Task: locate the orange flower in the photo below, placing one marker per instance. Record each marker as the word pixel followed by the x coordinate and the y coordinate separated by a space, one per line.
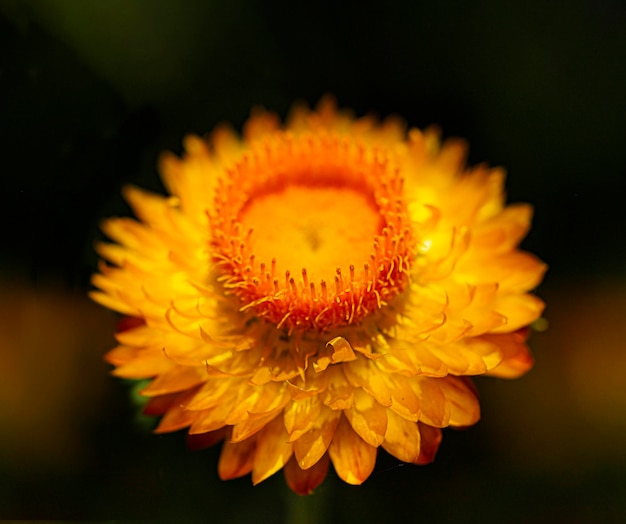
pixel 319 290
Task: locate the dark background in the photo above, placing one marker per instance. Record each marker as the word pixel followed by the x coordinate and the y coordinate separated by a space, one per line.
pixel 92 91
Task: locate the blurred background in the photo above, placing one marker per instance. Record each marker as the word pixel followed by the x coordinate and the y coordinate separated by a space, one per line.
pixel 92 91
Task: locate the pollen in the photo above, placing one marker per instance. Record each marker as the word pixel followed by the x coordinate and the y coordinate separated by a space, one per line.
pixel 310 232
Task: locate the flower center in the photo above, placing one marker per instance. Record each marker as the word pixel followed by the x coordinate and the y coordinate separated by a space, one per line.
pixel 318 229
pixel 311 233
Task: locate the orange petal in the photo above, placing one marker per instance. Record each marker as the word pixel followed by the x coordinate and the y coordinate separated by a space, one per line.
pixel 205 440
pixel 255 421
pixel 128 324
pixel 177 417
pixel 236 459
pixel 258 400
pixel 148 363
pixel 435 411
pixel 215 391
pixel 210 419
pixel 304 481
pixel 261 123
pixel 516 360
pixel 352 457
pixel 159 405
pixel 177 379
pixel 120 355
pixel 430 440
pixel 272 452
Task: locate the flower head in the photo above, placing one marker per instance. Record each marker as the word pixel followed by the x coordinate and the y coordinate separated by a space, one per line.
pixel 314 291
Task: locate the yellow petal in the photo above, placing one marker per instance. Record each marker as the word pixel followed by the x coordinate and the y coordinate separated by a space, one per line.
pixel 149 207
pixel 272 452
pixel 520 310
pixel 339 394
pixel 404 401
pixel 312 445
pixel 367 418
pixel 352 457
pixel 301 416
pixel 504 231
pixel 402 438
pixel 114 303
pixel 448 401
pixel 365 374
pixel 216 391
pixel 461 396
pixel 337 350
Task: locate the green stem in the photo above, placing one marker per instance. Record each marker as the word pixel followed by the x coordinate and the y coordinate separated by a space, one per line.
pixel 307 509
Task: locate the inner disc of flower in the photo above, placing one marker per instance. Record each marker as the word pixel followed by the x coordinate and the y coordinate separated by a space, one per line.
pixel 311 233
pixel 318 229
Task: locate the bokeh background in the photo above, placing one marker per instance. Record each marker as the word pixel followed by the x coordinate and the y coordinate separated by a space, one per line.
pixel 92 90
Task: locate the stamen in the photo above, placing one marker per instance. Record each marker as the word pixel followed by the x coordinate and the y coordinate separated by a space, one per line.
pixel 292 285
pixel 324 290
pixel 339 280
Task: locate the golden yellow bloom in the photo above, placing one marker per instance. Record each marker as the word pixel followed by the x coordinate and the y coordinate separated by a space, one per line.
pixel 313 292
